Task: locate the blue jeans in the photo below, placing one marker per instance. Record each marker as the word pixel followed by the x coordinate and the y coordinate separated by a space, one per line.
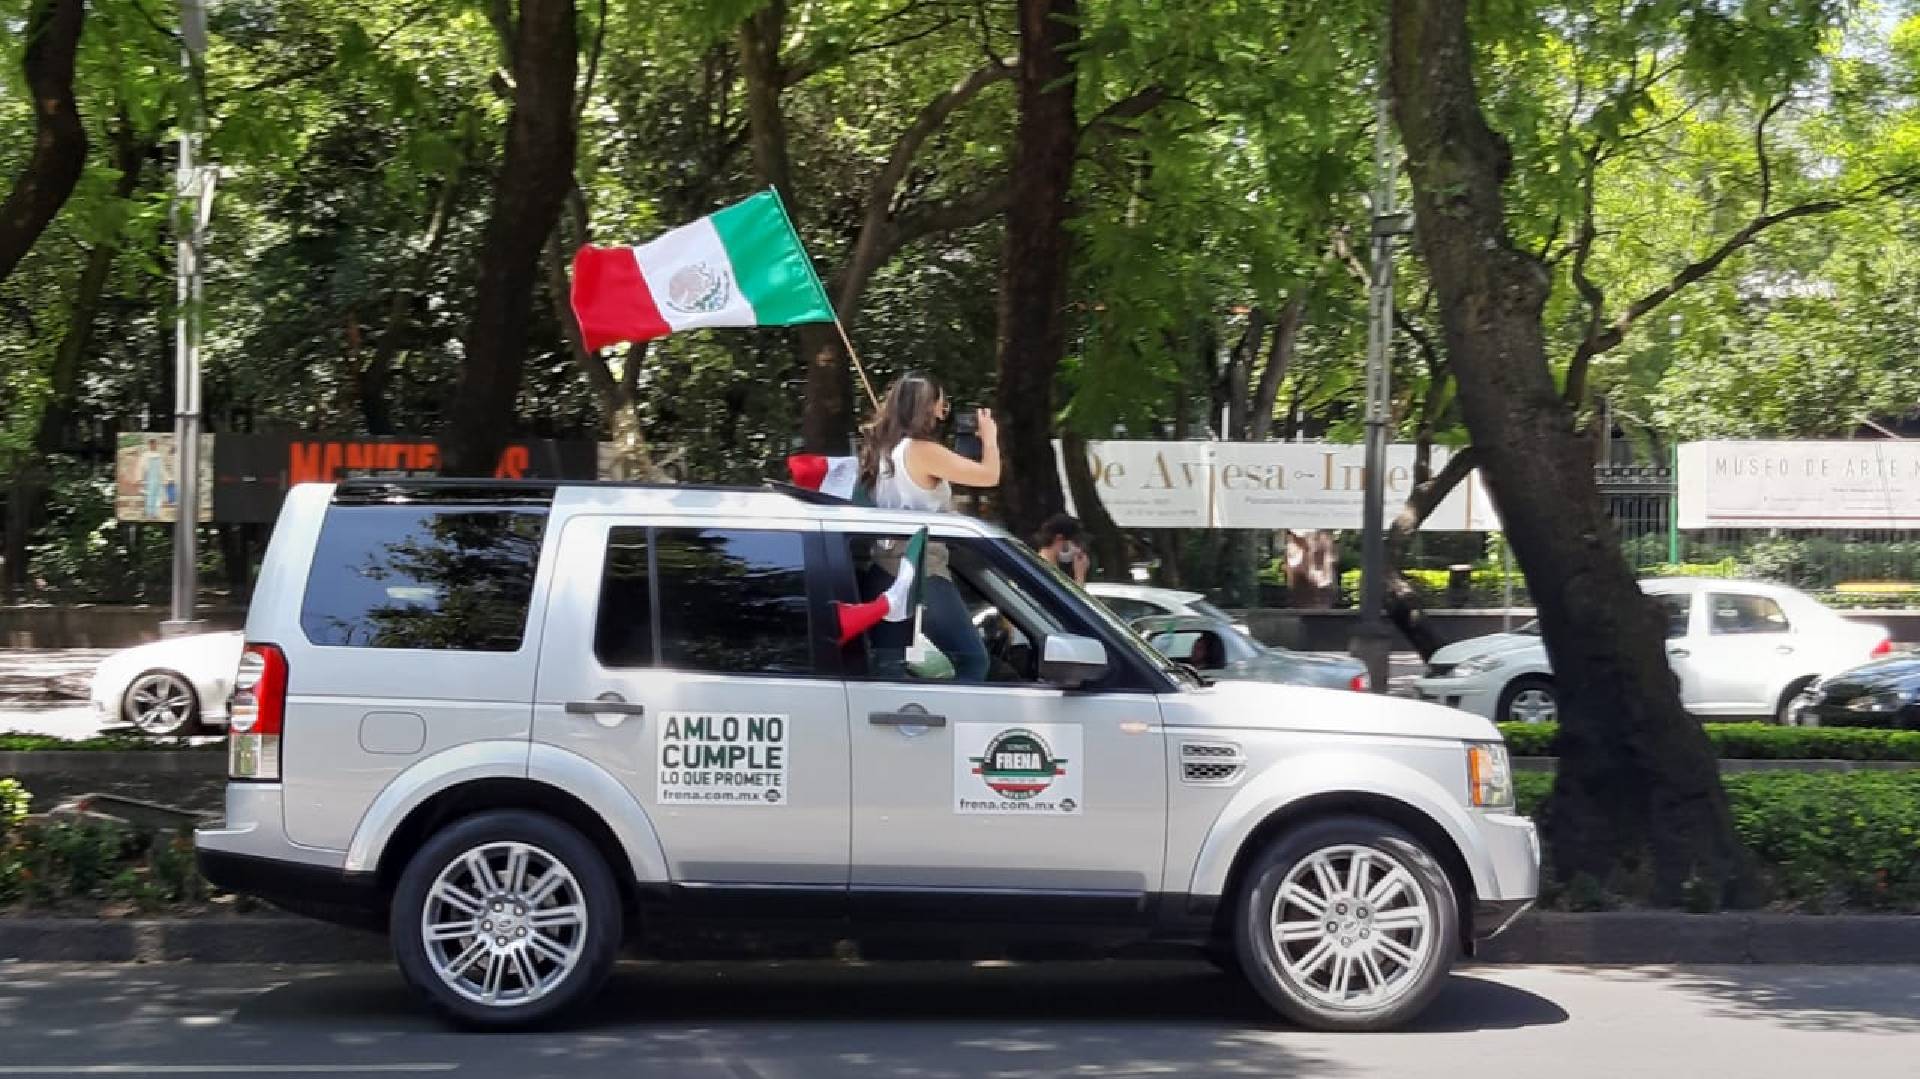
pixel 944 619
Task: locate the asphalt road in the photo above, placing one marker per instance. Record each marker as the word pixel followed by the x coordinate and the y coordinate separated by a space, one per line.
pixel 939 1020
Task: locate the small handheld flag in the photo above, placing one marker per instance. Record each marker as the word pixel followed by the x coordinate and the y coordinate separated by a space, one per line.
pixel 836 476
pixel 897 603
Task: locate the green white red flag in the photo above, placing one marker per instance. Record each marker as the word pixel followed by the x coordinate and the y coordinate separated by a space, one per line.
pixel 739 266
pixel 897 603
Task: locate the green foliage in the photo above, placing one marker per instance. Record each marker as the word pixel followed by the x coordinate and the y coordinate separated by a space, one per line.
pixel 53 863
pixel 19 742
pixel 1825 841
pixel 1757 741
pixel 14 800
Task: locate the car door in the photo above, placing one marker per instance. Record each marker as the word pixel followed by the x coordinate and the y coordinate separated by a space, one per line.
pixel 1731 661
pixel 1006 797
pixel 683 656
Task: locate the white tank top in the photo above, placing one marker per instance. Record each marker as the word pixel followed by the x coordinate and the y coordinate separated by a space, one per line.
pixel 896 490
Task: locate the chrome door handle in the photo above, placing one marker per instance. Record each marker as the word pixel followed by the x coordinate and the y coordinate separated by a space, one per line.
pixel 906 719
pixel 1678 653
pixel 1784 649
pixel 615 707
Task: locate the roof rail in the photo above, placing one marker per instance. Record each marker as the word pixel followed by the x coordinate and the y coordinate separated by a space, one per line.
pixel 371 489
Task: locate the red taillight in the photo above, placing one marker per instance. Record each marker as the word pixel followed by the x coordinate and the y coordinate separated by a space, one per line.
pixel 257 714
pixel 1884 648
pixel 1359 683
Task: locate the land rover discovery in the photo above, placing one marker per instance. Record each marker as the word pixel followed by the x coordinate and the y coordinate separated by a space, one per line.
pixel 518 725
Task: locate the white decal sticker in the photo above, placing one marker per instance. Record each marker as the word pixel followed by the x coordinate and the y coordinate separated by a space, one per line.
pixel 1037 769
pixel 721 759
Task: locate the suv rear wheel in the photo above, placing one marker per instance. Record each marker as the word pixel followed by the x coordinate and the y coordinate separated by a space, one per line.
pixel 506 918
pixel 1347 923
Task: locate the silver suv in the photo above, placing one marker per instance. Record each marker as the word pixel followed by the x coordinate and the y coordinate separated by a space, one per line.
pixel 518 724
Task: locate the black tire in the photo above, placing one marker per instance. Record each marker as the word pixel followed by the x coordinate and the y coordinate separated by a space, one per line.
pixel 1783 712
pixel 1526 683
pixel 179 688
pixel 600 939
pixel 1260 955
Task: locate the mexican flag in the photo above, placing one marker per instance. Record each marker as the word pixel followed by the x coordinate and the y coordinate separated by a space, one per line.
pixel 897 603
pixel 740 266
pixel 836 476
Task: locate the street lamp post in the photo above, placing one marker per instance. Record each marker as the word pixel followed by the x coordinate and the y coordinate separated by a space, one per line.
pixel 192 198
pixel 1372 644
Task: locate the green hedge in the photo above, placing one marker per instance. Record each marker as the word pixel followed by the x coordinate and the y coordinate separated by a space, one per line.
pixel 1825 841
pixel 16 742
pixel 1758 742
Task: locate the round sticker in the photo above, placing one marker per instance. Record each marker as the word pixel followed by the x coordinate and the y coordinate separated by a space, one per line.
pixel 1018 764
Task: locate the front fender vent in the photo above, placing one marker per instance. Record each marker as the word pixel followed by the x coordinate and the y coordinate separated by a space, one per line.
pixel 1211 764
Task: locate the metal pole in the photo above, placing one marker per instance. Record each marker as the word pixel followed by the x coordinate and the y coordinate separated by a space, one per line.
pixel 189 220
pixel 1372 644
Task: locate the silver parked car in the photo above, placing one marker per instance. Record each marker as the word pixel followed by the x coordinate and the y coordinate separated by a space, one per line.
pixel 1218 649
pixel 517 723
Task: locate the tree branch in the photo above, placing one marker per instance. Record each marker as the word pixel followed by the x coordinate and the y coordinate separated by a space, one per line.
pixel 1132 107
pixel 1760 148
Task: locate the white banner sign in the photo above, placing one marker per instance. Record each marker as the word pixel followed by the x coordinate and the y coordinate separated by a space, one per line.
pixel 1265 485
pixel 721 759
pixel 1861 484
pixel 1036 769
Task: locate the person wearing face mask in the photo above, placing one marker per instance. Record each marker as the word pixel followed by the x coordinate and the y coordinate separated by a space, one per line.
pixel 1059 544
pixel 904 465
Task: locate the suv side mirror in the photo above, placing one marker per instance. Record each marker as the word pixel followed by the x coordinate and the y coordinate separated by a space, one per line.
pixel 1070 662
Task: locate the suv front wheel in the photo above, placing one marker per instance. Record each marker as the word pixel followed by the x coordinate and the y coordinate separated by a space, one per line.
pixel 506 918
pixel 1347 923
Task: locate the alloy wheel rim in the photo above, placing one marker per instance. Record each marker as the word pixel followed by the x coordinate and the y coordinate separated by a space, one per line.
pixel 1533 706
pixel 1352 927
pixel 159 703
pixel 504 924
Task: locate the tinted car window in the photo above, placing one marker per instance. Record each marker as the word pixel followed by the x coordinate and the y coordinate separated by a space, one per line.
pixel 1735 613
pixel 1676 607
pixel 732 601
pixel 412 577
pixel 623 627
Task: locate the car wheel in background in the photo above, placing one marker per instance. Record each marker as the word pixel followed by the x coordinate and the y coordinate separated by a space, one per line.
pixel 161 703
pixel 1787 712
pixel 1530 698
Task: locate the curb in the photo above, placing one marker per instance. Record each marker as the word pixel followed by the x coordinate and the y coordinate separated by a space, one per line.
pixel 1546 937
pixel 1667 937
pixel 112 762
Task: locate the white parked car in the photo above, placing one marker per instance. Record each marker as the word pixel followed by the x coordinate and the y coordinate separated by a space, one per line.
pixel 1133 602
pixel 175 686
pixel 1741 648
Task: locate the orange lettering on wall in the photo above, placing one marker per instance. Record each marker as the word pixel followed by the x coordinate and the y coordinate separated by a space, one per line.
pixel 360 456
pixel 330 462
pixel 429 458
pixel 513 464
pixel 303 463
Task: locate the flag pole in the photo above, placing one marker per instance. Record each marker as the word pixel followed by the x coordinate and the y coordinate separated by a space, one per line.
pixel 857 366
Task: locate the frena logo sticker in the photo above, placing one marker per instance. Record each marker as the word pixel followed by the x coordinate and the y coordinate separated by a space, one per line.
pixel 697 289
pixel 1018 764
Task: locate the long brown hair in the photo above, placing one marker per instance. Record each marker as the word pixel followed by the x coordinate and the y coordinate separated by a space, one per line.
pixel 908 411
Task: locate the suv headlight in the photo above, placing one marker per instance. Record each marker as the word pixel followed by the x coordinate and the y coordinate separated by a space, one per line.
pixel 1479 665
pixel 1489 776
pixel 1886 700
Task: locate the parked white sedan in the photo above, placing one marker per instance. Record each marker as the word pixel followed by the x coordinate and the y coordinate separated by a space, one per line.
pixel 1741 648
pixel 174 686
pixel 1133 602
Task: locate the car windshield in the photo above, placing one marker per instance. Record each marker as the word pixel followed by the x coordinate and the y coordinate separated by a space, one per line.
pixel 1123 631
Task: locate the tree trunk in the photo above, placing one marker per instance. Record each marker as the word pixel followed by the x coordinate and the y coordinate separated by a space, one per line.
pixel 534 179
pixel 1033 269
pixel 1637 776
pixel 1108 546
pixel 1313 568
pixel 59 138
